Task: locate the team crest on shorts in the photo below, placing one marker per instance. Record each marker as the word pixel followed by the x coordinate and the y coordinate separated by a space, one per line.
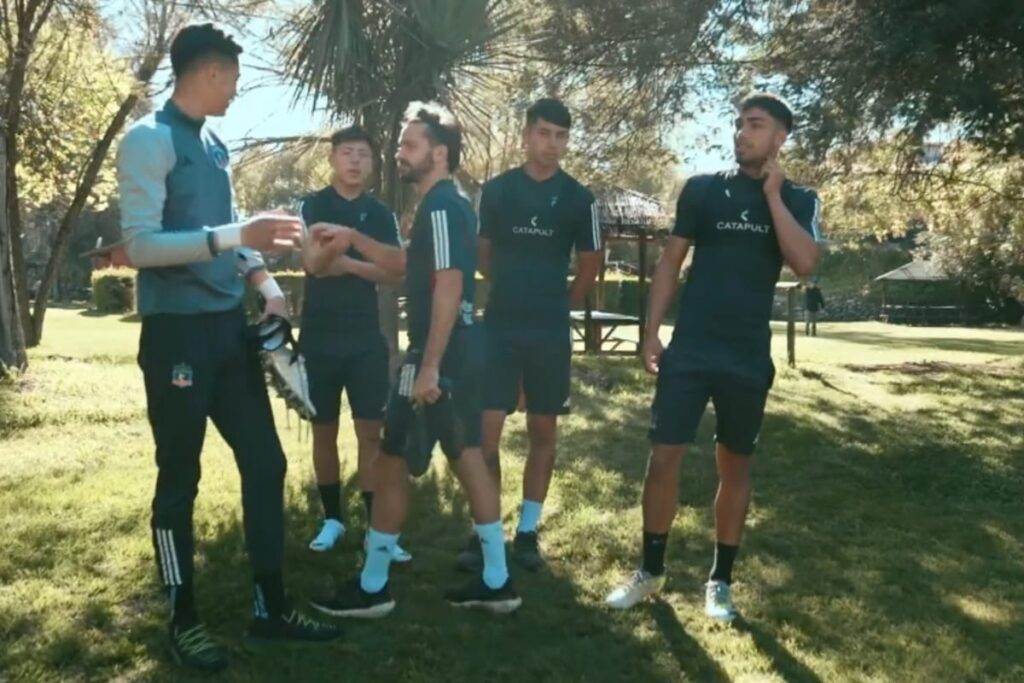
pixel 181 375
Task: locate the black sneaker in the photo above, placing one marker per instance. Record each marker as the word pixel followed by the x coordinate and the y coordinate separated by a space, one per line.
pixel 525 551
pixel 350 600
pixel 477 594
pixel 292 626
pixel 192 647
pixel 471 558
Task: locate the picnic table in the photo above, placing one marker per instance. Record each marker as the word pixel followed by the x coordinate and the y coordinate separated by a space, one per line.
pixel 921 315
pixel 597 329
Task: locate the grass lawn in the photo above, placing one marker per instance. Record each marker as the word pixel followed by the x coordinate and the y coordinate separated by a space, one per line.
pixel 885 541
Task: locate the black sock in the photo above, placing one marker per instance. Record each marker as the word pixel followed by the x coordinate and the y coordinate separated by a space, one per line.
pixel 725 555
pixel 269 595
pixel 368 502
pixel 330 496
pixel 183 606
pixel 654 553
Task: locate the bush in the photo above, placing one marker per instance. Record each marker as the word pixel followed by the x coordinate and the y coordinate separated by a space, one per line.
pixel 113 290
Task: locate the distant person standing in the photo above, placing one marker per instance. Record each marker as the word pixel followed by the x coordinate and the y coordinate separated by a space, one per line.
pixel 814 302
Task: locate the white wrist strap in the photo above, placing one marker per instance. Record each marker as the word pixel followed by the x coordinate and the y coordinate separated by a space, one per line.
pixel 270 289
pixel 227 237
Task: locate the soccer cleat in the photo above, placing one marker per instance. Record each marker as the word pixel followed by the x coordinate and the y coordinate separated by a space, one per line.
pixel 718 601
pixel 350 600
pixel 193 648
pixel 525 551
pixel 419 444
pixel 477 594
pixel 431 425
pixel 284 365
pixel 331 532
pixel 292 626
pixel 471 557
pixel 641 585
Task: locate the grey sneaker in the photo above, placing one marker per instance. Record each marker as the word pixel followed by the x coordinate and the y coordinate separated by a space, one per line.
pixel 718 601
pixel 641 584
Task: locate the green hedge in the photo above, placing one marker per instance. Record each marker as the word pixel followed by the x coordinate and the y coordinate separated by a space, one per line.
pixel 113 290
pixel 620 293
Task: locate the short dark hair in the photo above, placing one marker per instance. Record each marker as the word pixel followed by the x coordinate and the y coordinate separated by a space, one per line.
pixel 775 105
pixel 551 110
pixel 198 42
pixel 442 128
pixel 353 133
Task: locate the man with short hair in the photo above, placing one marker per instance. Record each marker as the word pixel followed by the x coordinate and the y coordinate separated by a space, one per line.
pixel 341 339
pixel 180 232
pixel 744 224
pixel 442 369
pixel 532 217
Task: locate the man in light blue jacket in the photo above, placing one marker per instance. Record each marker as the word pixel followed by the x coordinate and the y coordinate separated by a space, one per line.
pixel 178 219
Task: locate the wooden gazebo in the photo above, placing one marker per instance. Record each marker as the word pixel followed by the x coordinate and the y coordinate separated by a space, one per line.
pixel 625 216
pixel 904 310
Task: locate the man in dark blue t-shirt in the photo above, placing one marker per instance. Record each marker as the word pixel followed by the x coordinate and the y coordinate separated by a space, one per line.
pixel 532 217
pixel 442 368
pixel 743 225
pixel 341 338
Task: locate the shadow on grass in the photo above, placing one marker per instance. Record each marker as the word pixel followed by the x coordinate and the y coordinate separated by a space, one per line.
pixel 858 504
pixel 891 515
pixel 425 638
pixel 945 339
pixel 784 663
pixel 557 635
pixel 687 652
pixel 120 316
pixel 873 524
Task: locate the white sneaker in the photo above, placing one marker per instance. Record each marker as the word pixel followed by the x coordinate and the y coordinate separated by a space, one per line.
pixel 640 585
pixel 330 533
pixel 718 601
pixel 399 555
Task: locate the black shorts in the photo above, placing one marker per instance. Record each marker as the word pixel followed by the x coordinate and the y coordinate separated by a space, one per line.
pixel 541 360
pixel 363 375
pixel 681 398
pixel 456 422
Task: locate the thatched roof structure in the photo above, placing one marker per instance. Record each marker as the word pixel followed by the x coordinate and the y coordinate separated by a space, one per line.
pixel 916 271
pixel 629 211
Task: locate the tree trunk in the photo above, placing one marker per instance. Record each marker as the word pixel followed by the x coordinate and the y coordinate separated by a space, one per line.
pixel 29 20
pixel 12 214
pixel 12 340
pixel 83 190
pixel 387 296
